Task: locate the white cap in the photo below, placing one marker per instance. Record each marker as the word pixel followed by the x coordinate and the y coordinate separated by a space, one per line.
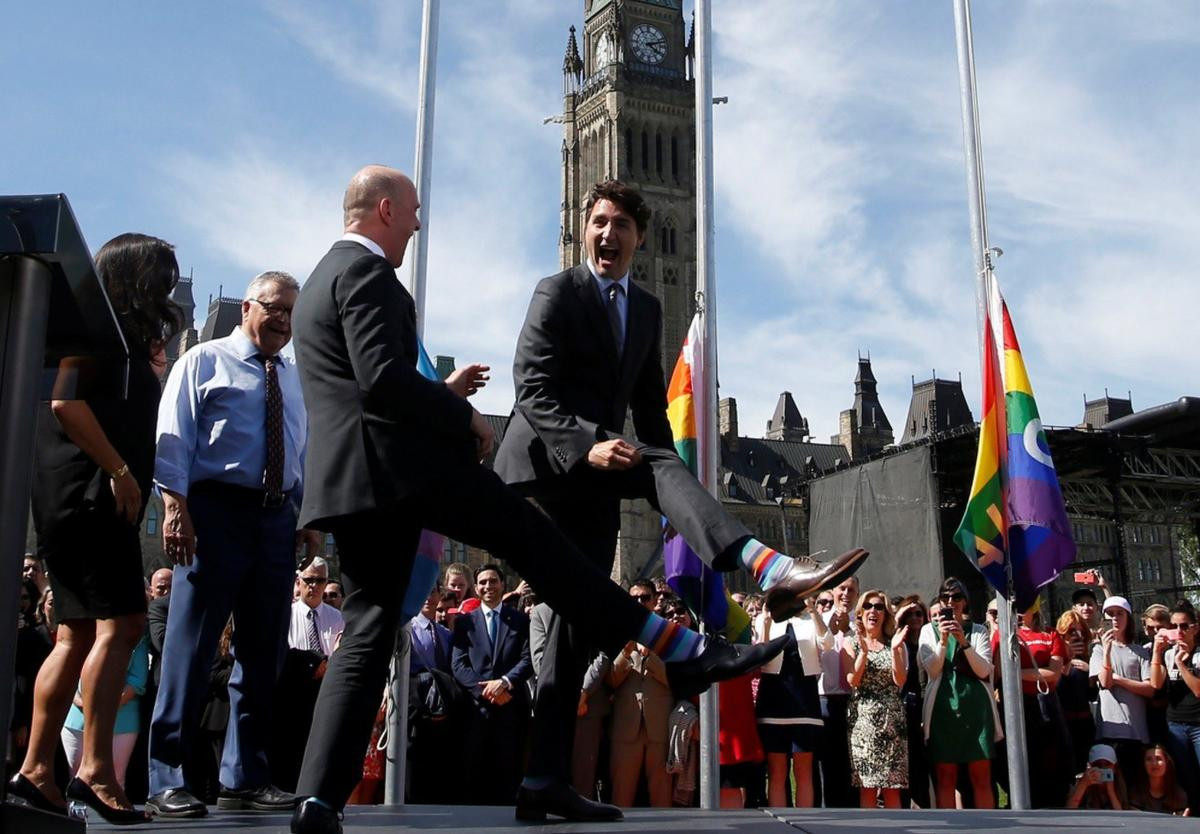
pixel 1102 753
pixel 1118 602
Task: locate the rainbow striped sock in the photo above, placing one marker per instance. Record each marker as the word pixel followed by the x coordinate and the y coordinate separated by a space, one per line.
pixel 767 566
pixel 669 640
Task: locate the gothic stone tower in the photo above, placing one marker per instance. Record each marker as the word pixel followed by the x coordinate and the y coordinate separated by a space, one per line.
pixel 629 114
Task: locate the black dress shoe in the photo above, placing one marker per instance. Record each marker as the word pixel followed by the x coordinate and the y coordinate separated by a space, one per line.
pixel 314 818
pixel 560 800
pixel 176 803
pixel 721 660
pixel 79 791
pixel 806 577
pixel 267 798
pixel 23 789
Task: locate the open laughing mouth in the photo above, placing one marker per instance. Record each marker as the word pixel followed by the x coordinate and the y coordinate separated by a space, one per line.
pixel 607 255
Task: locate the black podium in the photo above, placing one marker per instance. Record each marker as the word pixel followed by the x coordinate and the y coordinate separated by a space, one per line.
pixel 58 339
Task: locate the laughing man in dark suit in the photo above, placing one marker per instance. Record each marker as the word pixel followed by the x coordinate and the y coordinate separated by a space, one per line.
pixel 588 353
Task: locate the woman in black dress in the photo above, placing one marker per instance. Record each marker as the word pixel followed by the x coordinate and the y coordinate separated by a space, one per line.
pixel 93 467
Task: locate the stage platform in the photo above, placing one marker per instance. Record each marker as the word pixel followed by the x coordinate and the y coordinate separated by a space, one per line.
pixel 376 820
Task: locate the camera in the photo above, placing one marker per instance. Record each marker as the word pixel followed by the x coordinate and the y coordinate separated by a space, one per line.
pixel 946 614
pixel 1106 774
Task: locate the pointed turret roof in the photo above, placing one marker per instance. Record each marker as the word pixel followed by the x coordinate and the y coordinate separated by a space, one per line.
pixel 787 423
pixel 866 398
pixel 572 62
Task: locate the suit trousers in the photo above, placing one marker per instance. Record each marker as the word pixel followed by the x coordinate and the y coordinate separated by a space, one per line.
pixel 585 505
pixel 244 565
pixel 469 504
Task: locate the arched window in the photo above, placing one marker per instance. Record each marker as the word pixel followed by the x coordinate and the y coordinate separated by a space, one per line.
pixel 675 157
pixel 672 240
pixel 658 153
pixel 629 148
pixel 645 151
pixel 151 520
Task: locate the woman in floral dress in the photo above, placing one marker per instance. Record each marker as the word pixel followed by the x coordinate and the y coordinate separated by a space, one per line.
pixel 877 657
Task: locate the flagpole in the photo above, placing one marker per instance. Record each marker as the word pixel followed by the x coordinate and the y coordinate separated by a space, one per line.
pixel 397 715
pixel 1009 660
pixel 706 292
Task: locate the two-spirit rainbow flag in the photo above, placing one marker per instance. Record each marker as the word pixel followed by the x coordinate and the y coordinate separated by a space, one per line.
pixel 427 564
pixel 1015 515
pixel 700 587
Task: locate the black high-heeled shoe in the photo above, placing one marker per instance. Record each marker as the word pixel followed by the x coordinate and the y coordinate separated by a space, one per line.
pixel 79 791
pixel 22 788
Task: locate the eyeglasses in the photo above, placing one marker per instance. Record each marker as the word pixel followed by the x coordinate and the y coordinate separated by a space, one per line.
pixel 952 597
pixel 874 606
pixel 311 581
pixel 642 597
pixel 824 603
pixel 332 594
pixel 992 612
pixel 281 311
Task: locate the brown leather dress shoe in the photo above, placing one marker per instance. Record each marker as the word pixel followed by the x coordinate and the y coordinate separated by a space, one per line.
pixel 806 577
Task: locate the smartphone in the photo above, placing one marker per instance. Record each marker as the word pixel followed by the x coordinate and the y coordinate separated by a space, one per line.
pixel 1085 577
pixel 1110 623
pixel 946 614
pixel 1170 634
pixel 1106 774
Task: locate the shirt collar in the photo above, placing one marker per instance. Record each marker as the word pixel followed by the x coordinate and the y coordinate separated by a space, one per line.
pixel 604 283
pixel 242 346
pixel 422 622
pixel 484 608
pixel 365 241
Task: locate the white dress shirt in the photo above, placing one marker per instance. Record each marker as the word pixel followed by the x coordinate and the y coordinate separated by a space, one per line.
pixel 329 626
pixel 365 241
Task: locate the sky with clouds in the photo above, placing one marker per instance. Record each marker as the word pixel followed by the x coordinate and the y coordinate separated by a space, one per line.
pixel 230 129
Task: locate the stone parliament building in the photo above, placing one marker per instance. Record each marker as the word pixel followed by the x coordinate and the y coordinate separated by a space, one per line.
pixel 629 114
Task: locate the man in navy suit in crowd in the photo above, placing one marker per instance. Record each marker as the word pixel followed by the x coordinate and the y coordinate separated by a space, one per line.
pixel 490 659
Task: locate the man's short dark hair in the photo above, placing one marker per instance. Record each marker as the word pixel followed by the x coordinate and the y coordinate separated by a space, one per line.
pixel 489 566
pixel 1082 593
pixel 645 583
pixel 626 196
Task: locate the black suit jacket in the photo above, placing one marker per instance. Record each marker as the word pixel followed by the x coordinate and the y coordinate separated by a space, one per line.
pixel 375 424
pixel 571 389
pixel 472 659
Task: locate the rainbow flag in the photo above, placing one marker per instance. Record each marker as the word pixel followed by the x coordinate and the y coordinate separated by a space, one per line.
pixel 1015 516
pixel 700 587
pixel 428 562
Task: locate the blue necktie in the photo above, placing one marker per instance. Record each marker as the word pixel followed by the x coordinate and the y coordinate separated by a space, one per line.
pixel 491 617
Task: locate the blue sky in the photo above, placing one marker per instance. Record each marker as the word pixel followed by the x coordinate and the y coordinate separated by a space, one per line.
pixel 230 129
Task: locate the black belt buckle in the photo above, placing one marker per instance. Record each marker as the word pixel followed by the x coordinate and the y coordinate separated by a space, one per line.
pixel 273 502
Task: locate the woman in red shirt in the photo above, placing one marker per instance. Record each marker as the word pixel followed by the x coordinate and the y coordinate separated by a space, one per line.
pixel 1046 739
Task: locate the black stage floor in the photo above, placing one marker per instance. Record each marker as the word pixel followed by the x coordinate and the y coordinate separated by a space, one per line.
pixel 375 820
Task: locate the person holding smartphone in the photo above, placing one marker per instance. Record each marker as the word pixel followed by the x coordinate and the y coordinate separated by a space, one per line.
pixel 1175 664
pixel 961 721
pixel 1121 668
pixel 1100 787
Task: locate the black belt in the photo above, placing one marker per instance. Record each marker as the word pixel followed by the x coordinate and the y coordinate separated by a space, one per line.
pixel 241 494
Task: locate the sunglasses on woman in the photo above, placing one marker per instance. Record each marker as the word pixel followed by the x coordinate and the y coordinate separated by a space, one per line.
pixel 874 606
pixel 824 603
pixel 952 597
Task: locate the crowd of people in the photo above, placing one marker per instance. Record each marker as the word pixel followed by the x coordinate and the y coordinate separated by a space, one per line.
pixel 881 701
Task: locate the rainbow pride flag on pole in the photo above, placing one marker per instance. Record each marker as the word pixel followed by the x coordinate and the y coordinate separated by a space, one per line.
pixel 700 587
pixel 1015 518
pixel 427 564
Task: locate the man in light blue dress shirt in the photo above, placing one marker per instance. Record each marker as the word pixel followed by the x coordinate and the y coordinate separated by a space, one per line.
pixel 230 462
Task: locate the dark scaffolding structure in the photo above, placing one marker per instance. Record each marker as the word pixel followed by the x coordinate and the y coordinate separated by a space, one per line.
pixel 1138 473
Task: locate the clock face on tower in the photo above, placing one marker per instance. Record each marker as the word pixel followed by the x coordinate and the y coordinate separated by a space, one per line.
pixel 603 53
pixel 648 44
